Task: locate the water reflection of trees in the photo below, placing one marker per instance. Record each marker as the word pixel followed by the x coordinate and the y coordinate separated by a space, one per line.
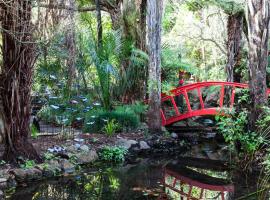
pixel 98 185
pixel 127 182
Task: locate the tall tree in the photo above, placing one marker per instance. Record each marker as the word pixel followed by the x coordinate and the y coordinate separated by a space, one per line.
pixel 154 18
pixel 99 24
pixel 16 77
pixel 234 29
pixel 71 45
pixel 258 18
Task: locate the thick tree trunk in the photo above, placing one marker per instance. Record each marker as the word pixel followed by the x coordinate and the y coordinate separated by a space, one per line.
pixel 154 16
pixel 71 46
pixel 235 28
pixel 16 78
pixel 258 34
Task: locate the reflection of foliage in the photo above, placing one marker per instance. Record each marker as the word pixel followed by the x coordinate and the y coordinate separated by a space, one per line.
pixel 100 185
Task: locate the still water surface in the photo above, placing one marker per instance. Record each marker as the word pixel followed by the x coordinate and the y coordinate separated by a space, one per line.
pixel 146 180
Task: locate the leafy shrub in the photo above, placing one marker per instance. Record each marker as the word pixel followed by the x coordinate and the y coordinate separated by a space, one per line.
pixel 113 153
pixel 49 156
pixel 28 164
pixel 235 129
pixel 111 127
pixel 34 131
pixel 62 111
pixel 95 121
pixel 138 108
pixel 46 114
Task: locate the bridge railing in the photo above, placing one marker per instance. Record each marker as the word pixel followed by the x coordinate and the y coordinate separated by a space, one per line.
pixel 203 98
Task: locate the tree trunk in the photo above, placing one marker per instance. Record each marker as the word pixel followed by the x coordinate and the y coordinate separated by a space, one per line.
pixel 16 79
pixel 71 46
pixel 234 28
pixel 154 16
pixel 134 30
pixel 258 34
pixel 99 24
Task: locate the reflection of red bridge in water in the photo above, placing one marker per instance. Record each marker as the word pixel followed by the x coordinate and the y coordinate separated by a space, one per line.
pixel 194 100
pixel 187 184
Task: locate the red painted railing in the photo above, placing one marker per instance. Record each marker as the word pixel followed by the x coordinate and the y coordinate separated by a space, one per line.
pixel 177 105
pixel 185 186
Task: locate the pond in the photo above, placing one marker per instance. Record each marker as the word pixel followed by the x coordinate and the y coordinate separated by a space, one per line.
pixel 148 179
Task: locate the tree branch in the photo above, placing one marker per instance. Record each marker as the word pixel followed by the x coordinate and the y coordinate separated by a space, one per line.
pixel 65 7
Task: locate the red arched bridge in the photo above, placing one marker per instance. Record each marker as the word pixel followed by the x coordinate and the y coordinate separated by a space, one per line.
pixel 197 99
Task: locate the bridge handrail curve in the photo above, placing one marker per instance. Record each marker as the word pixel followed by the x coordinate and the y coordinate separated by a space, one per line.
pixel 192 86
pixel 183 90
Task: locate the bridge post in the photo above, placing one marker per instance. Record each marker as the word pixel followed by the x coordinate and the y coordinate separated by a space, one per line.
pixel 221 96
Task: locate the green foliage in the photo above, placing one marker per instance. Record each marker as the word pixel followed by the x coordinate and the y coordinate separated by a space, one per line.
pixel 34 131
pixel 111 127
pixel 28 164
pixel 134 73
pixel 172 62
pixel 46 114
pixel 113 153
pixel 235 129
pixel 266 162
pixel 2 162
pixel 104 60
pixel 243 96
pixel 263 123
pixel 228 6
pixel 62 112
pixel 127 117
pixel 96 120
pixel 48 156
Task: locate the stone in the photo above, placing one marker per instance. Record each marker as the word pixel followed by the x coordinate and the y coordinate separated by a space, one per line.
pixel 56 149
pixel 1 194
pixel 80 140
pixel 213 155
pixel 209 135
pixel 125 143
pixel 3 180
pixel 4 173
pixel 84 148
pixel 20 174
pixel 208 122
pixel 3 183
pixel 33 174
pixel 54 164
pixel 143 127
pixel 71 149
pixel 52 167
pixel 144 145
pixel 85 158
pixel 174 135
pixel 67 167
pixel 77 146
